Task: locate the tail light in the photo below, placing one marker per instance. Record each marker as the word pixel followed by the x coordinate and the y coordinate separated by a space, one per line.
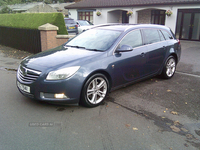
pixel 179 42
pixel 76 26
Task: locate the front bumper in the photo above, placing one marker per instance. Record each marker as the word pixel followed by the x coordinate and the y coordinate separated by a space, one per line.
pixel 58 92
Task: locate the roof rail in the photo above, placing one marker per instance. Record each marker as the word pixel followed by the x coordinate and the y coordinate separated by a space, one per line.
pixel 107 24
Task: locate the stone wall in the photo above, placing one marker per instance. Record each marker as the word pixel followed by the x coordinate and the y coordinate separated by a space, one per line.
pixel 49 37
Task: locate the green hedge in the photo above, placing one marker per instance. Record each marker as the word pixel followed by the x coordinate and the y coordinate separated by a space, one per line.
pixel 33 20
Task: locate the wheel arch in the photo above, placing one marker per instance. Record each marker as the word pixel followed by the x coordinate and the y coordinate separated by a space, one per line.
pixel 163 74
pixel 96 72
pixel 172 54
pixel 175 56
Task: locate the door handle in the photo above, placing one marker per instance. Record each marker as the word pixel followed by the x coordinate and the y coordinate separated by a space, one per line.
pixel 142 54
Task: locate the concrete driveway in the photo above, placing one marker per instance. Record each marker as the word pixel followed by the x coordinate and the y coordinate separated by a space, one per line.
pixel 190 58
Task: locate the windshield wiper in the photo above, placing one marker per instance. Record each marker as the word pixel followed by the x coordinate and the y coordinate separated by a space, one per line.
pixel 94 50
pixel 78 47
pixel 74 46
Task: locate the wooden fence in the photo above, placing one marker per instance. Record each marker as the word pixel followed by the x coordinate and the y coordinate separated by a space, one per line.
pixel 22 39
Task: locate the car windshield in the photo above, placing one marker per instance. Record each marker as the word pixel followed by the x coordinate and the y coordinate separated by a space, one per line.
pixel 84 23
pixel 95 39
pixel 69 21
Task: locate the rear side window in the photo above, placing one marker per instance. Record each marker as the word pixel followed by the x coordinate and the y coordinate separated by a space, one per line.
pixel 151 36
pixel 69 21
pixel 133 39
pixel 166 35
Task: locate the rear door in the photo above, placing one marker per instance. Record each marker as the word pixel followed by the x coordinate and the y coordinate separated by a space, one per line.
pixel 156 50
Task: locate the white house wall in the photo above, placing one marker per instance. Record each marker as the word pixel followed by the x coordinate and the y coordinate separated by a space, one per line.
pixel 73 14
pixel 114 16
pixel 108 17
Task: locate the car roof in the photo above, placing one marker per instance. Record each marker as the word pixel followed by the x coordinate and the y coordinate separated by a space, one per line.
pixel 68 19
pixel 124 27
pixel 82 20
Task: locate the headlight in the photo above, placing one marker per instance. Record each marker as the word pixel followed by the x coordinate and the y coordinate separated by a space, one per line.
pixel 62 73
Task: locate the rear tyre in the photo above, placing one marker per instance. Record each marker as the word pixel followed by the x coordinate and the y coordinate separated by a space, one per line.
pixel 95 90
pixel 169 68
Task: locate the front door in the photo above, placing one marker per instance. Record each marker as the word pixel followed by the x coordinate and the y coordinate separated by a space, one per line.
pixel 188 25
pixel 131 65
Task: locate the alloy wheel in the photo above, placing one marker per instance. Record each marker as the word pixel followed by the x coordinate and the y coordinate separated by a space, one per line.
pixel 170 67
pixel 96 90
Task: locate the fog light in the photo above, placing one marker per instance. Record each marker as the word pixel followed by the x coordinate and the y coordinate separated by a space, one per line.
pixel 60 96
pixel 53 95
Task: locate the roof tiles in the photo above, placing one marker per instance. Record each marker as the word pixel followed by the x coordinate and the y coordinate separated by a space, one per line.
pixel 125 3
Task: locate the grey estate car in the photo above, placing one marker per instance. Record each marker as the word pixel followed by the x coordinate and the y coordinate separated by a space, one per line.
pixel 97 61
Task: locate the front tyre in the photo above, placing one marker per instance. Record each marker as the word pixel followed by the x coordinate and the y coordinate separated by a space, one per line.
pixel 169 68
pixel 95 90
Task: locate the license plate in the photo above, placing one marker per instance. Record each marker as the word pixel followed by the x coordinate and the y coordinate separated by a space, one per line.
pixel 71 27
pixel 24 88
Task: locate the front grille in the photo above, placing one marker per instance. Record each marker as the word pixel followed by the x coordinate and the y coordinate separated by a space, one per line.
pixel 27 75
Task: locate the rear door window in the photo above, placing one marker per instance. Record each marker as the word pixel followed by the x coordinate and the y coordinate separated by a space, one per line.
pixel 151 36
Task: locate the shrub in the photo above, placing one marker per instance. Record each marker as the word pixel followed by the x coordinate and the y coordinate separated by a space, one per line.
pixel 33 20
pixel 5 9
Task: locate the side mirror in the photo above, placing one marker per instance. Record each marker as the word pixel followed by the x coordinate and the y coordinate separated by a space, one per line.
pixel 78 24
pixel 124 48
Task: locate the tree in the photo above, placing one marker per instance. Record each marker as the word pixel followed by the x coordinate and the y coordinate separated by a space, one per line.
pixel 5 10
pixel 2 3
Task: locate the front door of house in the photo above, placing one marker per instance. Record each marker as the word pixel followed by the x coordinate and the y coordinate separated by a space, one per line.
pixel 188 25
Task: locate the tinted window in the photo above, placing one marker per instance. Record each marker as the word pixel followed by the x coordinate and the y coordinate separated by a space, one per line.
pixel 133 39
pixel 84 23
pixel 69 21
pixel 151 36
pixel 166 35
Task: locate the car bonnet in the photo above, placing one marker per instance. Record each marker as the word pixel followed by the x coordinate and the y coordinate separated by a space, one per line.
pixel 58 58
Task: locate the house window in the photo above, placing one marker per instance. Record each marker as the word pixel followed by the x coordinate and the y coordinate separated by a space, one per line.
pixel 158 17
pixel 86 16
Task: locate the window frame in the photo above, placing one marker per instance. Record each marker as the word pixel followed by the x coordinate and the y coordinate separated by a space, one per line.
pixel 82 14
pixel 157 14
